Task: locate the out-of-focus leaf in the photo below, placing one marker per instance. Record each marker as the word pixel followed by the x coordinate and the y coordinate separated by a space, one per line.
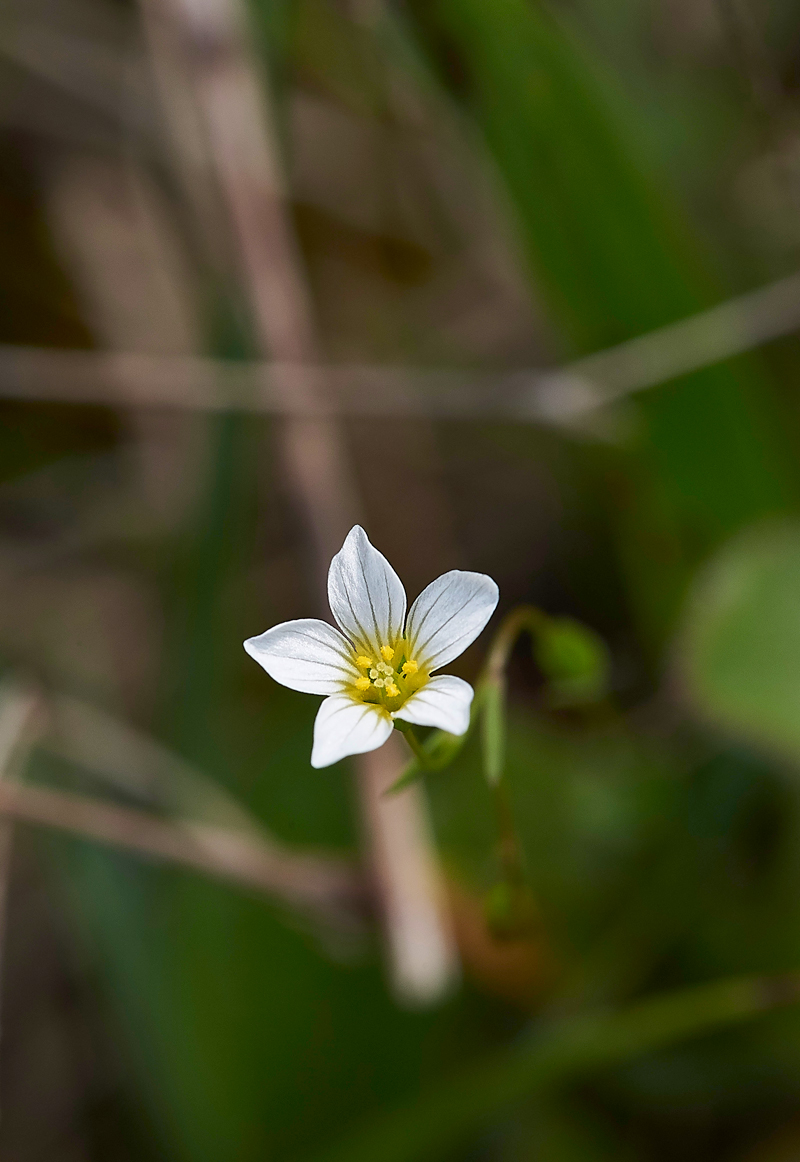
pixel 510 910
pixel 574 660
pixel 740 644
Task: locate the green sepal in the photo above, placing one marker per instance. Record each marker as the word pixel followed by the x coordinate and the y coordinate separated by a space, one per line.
pixel 439 748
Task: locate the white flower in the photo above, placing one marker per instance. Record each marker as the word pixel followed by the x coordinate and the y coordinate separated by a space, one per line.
pixel 380 666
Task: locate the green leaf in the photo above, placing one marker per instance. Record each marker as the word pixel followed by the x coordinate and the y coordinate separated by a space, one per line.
pixel 574 660
pixel 739 650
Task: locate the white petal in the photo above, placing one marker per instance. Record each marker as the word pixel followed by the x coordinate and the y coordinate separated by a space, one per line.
pixel 448 616
pixel 344 726
pixel 366 596
pixel 306 655
pixel 443 702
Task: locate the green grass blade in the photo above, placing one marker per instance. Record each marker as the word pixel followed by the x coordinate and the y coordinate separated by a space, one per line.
pixel 468 1101
pixel 614 254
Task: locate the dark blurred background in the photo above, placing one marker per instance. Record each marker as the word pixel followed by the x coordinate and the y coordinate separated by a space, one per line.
pixel 421 222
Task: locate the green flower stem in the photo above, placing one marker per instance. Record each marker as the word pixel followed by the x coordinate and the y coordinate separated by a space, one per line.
pixel 492 686
pixel 420 754
pixel 509 848
pixel 509 910
pixel 525 618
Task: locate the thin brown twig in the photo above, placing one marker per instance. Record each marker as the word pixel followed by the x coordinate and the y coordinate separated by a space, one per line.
pixel 18 709
pixel 322 884
pixel 272 387
pixel 203 825
pixel 220 837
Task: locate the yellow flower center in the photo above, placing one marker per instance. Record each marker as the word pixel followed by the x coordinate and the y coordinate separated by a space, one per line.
pixel 390 682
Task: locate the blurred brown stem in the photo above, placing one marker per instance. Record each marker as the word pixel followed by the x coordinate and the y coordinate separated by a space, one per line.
pixel 324 885
pixel 235 112
pixel 565 396
pixel 18 709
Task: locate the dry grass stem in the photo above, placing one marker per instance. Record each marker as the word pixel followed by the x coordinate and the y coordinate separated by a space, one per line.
pixel 19 709
pixel 235 110
pixel 305 882
pixel 291 388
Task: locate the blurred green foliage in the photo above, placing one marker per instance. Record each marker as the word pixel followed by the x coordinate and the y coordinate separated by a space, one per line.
pixel 662 854
pixel 616 254
pixel 574 660
pixel 741 639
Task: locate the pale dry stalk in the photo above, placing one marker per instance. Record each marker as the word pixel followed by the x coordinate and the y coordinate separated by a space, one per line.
pixel 18 710
pixel 560 396
pixel 201 827
pixel 235 112
pixel 327 888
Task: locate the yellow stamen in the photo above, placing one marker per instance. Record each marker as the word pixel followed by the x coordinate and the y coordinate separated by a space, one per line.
pixel 410 668
pixel 362 683
pixel 391 689
pixel 363 661
pixel 388 652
